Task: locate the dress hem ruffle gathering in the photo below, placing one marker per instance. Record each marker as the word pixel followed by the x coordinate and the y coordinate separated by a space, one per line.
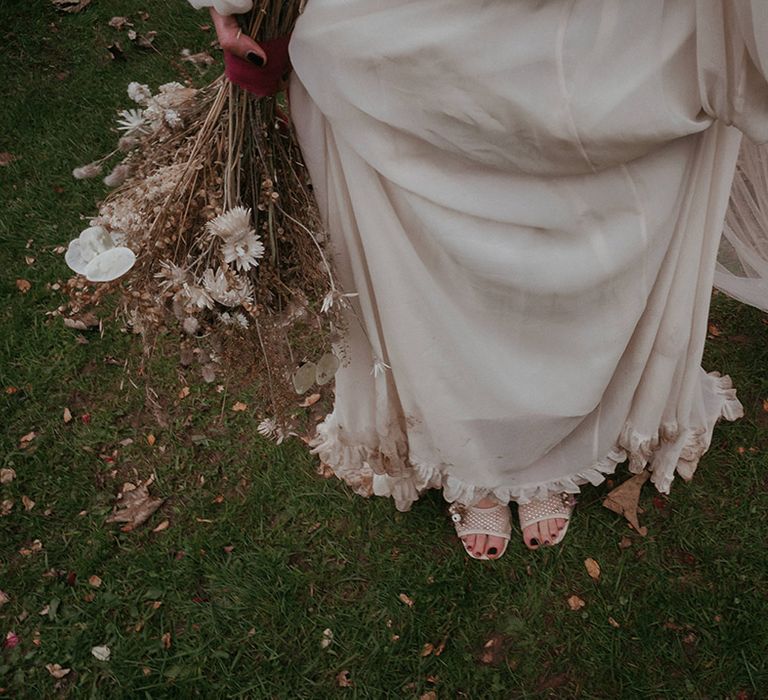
pixel 364 466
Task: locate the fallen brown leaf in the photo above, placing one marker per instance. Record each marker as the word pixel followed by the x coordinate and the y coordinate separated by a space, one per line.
pixel 83 322
pixel 427 649
pixel 239 406
pixel 593 568
pixel 494 651
pixel 162 526
pixel 67 415
pixel 4 598
pixel 343 680
pixel 57 671
pixel 184 392
pixel 29 504
pixel 613 622
pixel 7 476
pixel 310 400
pixel 406 599
pixel 119 23
pixel 7 158
pixel 151 440
pixel 23 285
pixel 135 506
pixel 94 581
pixel 624 499
pixel 71 6
pixel 166 640
pixel 575 603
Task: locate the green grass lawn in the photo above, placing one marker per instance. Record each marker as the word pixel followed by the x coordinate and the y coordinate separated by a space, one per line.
pixel 261 554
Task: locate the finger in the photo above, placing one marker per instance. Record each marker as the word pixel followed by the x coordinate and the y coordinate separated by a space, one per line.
pixel 246 48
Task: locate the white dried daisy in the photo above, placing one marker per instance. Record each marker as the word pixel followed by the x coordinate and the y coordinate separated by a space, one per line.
pixel 232 224
pixel 172 118
pixel 139 93
pixel 132 122
pixel 197 296
pixel 236 319
pixel 172 276
pixel 171 87
pixel 269 428
pixel 217 285
pixel 244 252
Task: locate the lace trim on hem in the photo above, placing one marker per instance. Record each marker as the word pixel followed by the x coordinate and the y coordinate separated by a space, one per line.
pixel 368 470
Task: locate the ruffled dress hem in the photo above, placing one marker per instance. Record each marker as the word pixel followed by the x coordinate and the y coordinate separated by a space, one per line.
pixel 368 469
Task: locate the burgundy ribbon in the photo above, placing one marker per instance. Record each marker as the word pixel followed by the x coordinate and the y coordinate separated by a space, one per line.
pixel 265 81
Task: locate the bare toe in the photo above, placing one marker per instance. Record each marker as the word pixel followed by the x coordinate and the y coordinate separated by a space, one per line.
pixel 494 546
pixel 560 523
pixel 480 541
pixel 531 536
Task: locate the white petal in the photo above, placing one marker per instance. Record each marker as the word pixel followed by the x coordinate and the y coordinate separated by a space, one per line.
pixel 74 257
pixel 94 241
pixel 110 265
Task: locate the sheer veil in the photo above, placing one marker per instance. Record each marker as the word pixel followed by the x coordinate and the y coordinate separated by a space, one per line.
pixel 742 262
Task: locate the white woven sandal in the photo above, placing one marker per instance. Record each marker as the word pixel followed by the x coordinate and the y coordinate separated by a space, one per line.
pixel 558 505
pixel 495 521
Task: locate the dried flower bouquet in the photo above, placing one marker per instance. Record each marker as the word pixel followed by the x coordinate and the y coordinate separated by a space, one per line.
pixel 213 214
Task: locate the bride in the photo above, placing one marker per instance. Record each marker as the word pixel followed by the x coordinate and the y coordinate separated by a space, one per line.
pixel 528 199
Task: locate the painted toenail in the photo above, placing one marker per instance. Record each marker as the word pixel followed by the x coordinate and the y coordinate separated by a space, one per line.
pixel 534 541
pixel 492 550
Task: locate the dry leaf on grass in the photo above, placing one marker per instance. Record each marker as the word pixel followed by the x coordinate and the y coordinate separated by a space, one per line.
pixel 29 504
pixel 26 440
pixel 82 322
pixel 575 603
pixel 67 415
pixel 166 640
pixel 494 651
pixel 4 598
pixel 135 506
pixel 7 476
pixel 327 638
pixel 406 599
pixel 162 526
pixel 23 285
pixel 624 499
pixel 6 507
pixel 239 406
pixel 343 680
pixel 94 581
pixel 310 400
pixel 593 568
pixel 71 6
pixel 119 23
pixel 7 158
pixel 57 671
pixel 102 653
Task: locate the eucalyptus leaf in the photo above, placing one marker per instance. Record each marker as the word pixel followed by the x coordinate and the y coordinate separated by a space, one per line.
pixel 326 368
pixel 305 377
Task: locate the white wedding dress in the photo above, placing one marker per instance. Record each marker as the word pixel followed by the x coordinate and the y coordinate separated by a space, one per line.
pixel 528 198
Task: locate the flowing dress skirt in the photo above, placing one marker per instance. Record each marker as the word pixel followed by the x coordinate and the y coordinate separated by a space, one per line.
pixel 527 199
